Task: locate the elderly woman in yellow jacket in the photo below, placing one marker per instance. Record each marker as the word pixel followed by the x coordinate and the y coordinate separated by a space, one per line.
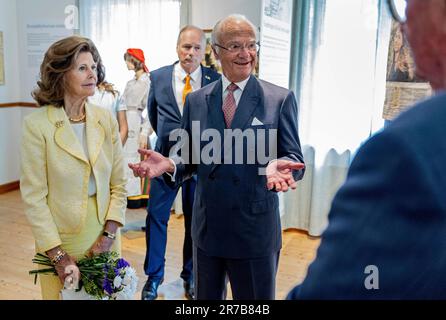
pixel 73 180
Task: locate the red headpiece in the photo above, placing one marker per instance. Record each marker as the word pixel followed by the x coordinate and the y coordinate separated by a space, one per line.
pixel 139 55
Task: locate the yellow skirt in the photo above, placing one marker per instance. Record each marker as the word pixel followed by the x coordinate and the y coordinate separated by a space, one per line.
pixel 77 245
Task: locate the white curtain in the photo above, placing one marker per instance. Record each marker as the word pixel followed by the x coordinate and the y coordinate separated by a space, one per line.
pixel 341 99
pixel 116 25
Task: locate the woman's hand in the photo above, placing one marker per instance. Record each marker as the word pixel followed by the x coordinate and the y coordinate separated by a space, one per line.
pixel 64 264
pixel 102 244
pixel 65 267
pixel 72 278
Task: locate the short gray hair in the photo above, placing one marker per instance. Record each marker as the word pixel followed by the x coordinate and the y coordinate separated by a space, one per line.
pixel 216 32
pixel 191 27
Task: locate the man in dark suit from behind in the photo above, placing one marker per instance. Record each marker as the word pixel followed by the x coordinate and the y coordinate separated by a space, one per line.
pixel 236 227
pixel 386 236
pixel 169 87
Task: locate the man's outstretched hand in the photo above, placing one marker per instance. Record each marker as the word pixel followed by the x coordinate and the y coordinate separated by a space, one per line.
pixel 279 174
pixel 153 166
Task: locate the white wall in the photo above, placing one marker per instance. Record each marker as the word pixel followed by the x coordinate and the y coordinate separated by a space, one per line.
pixel 32 13
pixel 10 118
pixel 8 25
pixel 14 16
pixel 205 13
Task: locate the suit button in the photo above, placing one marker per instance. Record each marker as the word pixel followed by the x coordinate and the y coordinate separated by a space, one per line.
pixel 236 181
pixel 212 176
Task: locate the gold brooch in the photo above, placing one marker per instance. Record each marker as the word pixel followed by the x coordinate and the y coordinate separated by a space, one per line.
pixel 59 124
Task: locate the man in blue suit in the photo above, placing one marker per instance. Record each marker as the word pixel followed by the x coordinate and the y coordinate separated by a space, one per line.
pixel 168 90
pixel 236 223
pixel 386 237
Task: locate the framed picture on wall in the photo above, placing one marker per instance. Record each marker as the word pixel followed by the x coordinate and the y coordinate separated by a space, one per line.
pixel 2 62
pixel 403 87
pixel 209 58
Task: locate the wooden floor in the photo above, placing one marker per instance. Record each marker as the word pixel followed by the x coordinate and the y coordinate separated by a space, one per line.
pixel 17 250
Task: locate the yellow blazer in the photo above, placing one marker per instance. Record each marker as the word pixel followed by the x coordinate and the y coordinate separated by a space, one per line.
pixel 55 172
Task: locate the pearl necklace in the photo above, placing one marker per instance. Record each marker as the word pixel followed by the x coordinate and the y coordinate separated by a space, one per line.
pixel 81 118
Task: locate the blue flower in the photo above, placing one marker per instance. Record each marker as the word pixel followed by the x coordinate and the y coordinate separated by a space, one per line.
pixel 106 285
pixel 122 264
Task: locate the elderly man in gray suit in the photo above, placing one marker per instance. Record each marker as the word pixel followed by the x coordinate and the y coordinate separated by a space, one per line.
pixel 236 228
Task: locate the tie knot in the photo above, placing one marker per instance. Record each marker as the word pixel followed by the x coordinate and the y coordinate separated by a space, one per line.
pixel 232 87
pixel 187 78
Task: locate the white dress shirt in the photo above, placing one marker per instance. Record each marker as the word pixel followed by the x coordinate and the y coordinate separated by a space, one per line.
pixel 80 131
pixel 179 81
pixel 237 92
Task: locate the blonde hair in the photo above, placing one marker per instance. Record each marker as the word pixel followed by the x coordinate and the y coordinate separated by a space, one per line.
pixel 107 86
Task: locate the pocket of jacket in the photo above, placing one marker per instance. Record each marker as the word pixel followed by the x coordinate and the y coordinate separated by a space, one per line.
pixel 266 204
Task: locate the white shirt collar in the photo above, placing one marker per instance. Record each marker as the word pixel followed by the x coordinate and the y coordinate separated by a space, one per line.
pixel 226 83
pixel 182 74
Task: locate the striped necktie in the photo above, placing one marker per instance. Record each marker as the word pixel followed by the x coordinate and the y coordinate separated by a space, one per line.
pixel 229 105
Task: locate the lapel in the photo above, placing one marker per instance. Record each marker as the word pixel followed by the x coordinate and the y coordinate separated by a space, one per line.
pixel 205 77
pixel 95 134
pixel 64 135
pixel 168 90
pixel 250 99
pixel 248 102
pixel 214 103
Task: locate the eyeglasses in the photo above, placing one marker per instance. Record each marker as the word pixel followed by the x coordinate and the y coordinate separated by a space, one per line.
pixel 237 47
pixel 398 10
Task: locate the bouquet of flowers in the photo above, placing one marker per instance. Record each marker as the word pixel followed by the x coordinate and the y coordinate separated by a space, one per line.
pixel 102 277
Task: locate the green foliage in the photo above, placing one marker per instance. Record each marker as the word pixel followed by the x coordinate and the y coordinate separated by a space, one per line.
pixel 95 271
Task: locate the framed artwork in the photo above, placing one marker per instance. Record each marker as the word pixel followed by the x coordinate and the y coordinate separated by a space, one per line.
pixel 2 61
pixel 209 58
pixel 403 87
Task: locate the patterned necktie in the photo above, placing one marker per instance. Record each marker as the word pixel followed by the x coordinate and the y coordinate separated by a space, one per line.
pixel 187 88
pixel 229 105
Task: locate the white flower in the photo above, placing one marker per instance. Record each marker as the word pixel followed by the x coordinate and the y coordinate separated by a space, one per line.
pixel 71 294
pixel 130 271
pixel 122 295
pixel 130 283
pixel 127 280
pixel 129 276
pixel 117 281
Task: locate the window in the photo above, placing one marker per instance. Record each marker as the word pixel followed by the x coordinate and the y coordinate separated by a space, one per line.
pixel 116 25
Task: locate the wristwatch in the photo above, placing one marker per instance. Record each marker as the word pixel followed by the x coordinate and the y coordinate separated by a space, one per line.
pixel 109 235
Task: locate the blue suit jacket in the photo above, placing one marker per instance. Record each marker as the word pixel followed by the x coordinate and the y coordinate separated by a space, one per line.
pixel 390 213
pixel 163 110
pixel 235 216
